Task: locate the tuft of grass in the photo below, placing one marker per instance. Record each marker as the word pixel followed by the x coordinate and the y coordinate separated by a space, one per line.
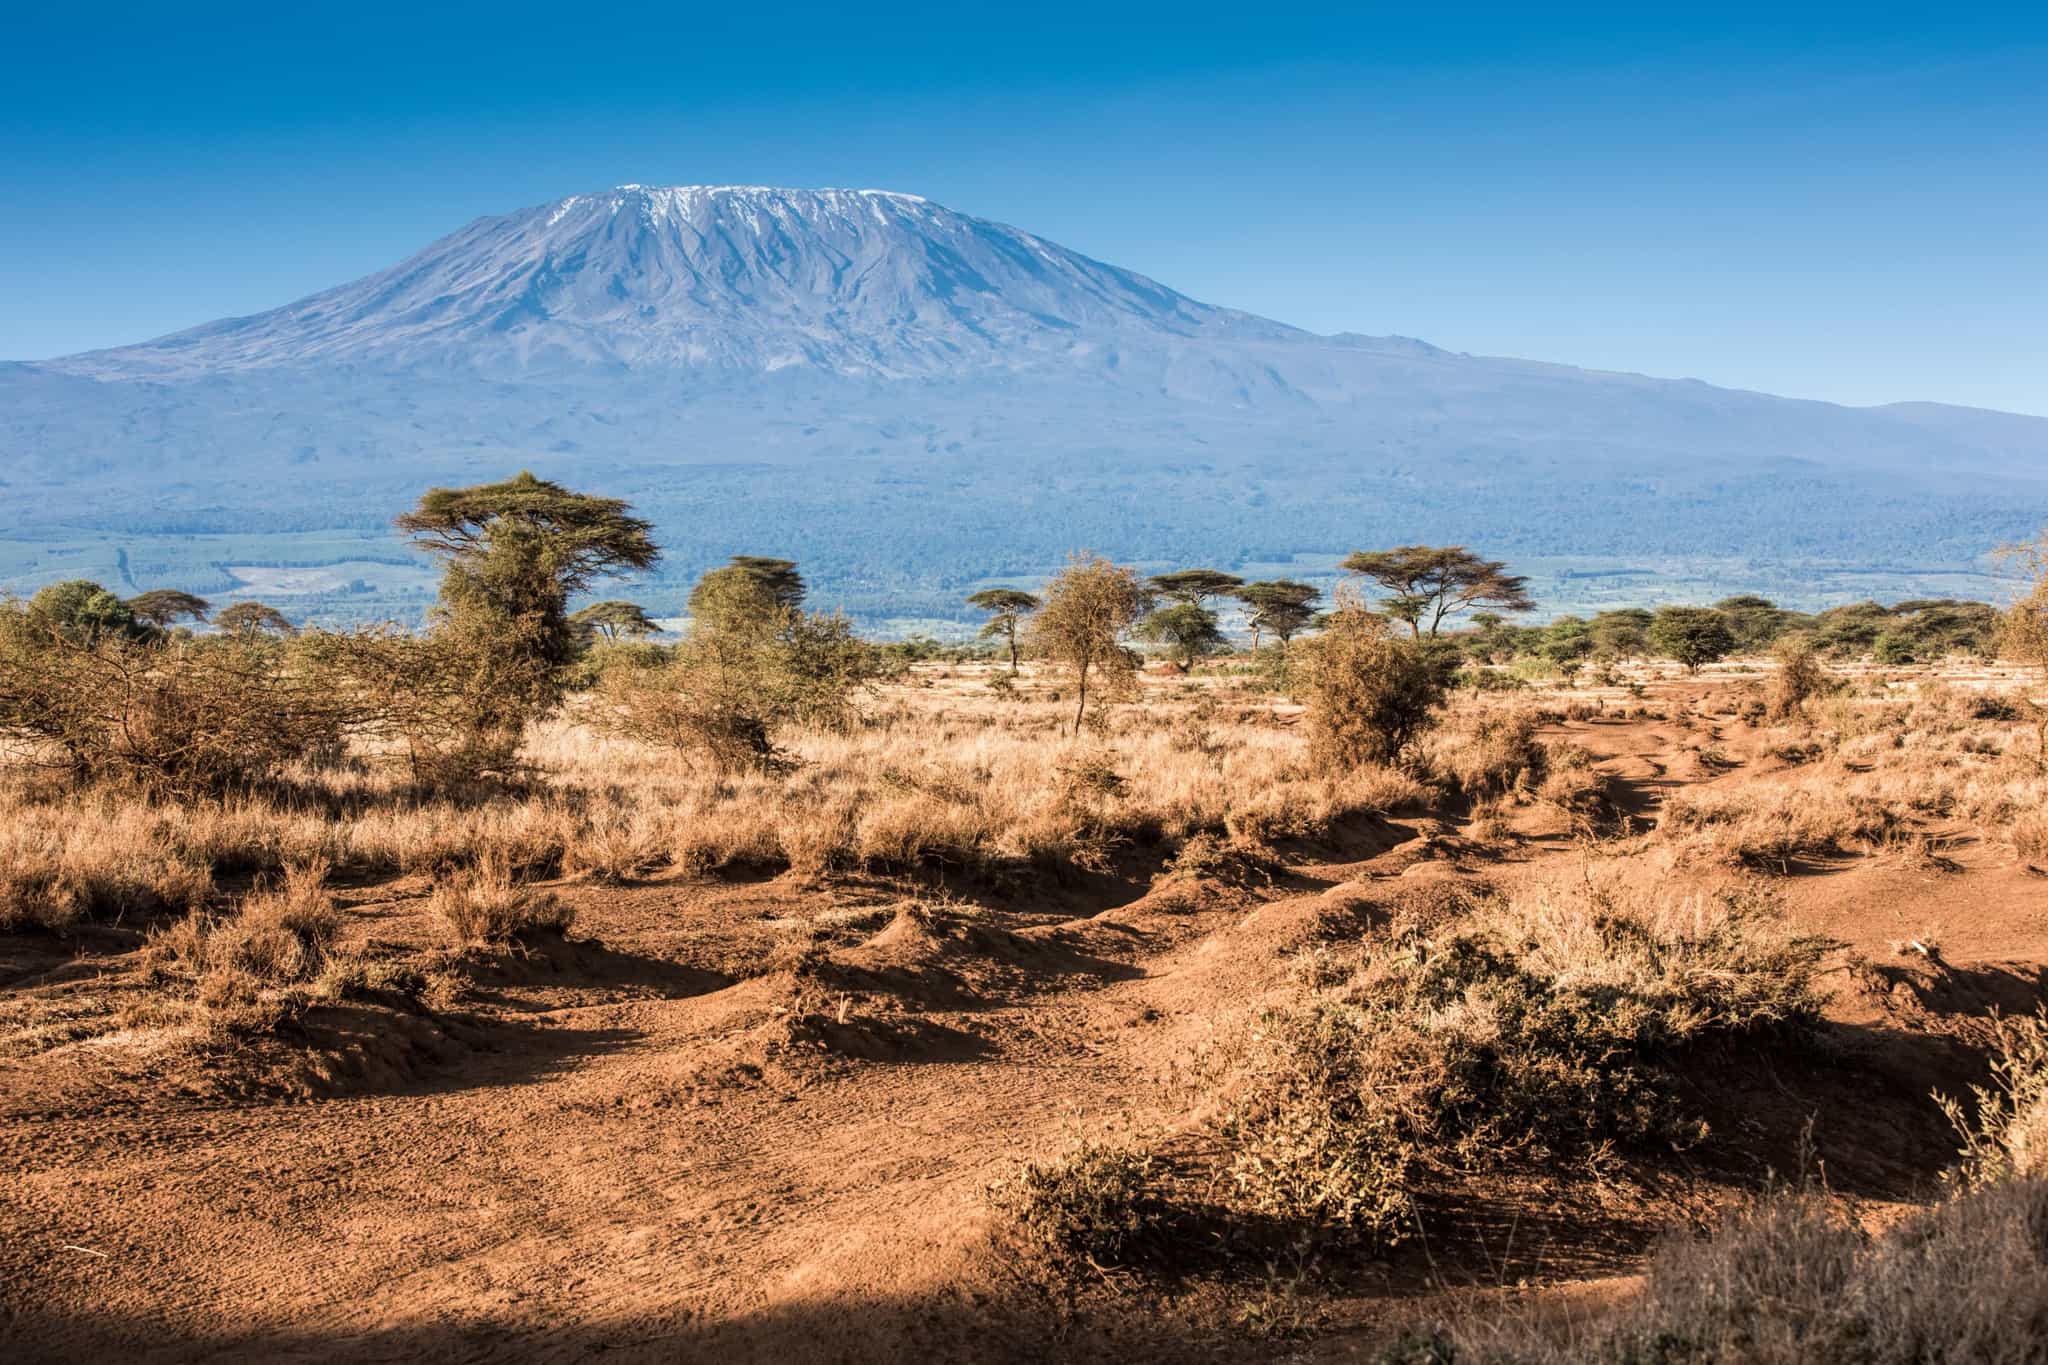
pixel 486 905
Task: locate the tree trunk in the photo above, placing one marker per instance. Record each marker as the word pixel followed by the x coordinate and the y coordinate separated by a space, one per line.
pixel 1081 709
pixel 1013 651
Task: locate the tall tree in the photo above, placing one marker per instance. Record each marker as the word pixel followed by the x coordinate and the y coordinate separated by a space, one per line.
pixel 1280 606
pixel 1089 608
pixel 1428 583
pixel 512 554
pixel 1566 643
pixel 1007 608
pixel 1194 586
pixel 164 607
pixel 1622 632
pixel 613 619
pixel 753 591
pixel 1754 621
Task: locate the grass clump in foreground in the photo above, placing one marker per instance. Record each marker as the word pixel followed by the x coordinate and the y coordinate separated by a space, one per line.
pixel 485 904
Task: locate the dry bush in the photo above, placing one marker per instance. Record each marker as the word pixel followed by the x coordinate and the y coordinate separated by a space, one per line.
pixel 1095 1207
pixel 1793 1281
pixel 486 905
pixel 2007 1134
pixel 1798 677
pixel 1553 1027
pixel 1367 694
pixel 198 718
pixel 1489 753
pixel 1765 829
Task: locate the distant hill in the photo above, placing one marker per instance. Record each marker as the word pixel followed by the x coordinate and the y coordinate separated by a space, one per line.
pixel 908 398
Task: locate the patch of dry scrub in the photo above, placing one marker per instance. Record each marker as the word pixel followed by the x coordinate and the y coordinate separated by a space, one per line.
pixel 1794 1281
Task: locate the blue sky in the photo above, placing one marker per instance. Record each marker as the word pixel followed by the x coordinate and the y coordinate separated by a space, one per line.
pixel 1844 202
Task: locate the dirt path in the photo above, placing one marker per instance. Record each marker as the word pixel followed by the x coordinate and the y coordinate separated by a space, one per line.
pixel 576 1180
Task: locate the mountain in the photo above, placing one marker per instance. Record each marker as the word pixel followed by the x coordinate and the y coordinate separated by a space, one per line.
pixel 733 280
pixel 909 398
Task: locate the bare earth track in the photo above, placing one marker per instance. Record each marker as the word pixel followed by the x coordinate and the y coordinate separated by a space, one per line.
pixel 631 1144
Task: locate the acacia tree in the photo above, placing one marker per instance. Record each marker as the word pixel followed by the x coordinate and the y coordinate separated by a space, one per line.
pixel 252 618
pixel 1279 605
pixel 751 592
pixel 1691 635
pixel 1622 632
pixel 164 607
pixel 1190 630
pixel 613 619
pixel 1193 587
pixel 1008 608
pixel 1428 583
pixel 1753 621
pixel 512 554
pixel 1089 608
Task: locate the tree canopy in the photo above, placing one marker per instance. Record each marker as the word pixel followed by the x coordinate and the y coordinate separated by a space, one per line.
pixel 1691 635
pixel 81 611
pixel 163 607
pixel 614 618
pixel 1280 606
pixel 1007 608
pixel 1194 586
pixel 1189 630
pixel 252 618
pixel 1428 583
pixel 1089 608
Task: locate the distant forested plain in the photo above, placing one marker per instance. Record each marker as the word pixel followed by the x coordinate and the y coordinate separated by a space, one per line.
pixel 898 543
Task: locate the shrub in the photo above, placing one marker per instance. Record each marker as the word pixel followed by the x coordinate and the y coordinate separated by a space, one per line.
pixel 200 720
pixel 2008 1136
pixel 1543 1029
pixel 1094 1206
pixel 1791 1280
pixel 1367 694
pixel 1799 676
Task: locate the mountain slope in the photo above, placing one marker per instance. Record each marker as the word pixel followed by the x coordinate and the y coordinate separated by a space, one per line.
pixel 908 398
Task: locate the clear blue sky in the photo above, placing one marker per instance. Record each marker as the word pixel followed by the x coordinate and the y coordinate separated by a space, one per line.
pixel 1846 202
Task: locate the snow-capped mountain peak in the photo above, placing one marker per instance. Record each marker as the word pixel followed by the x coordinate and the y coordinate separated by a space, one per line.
pixel 731 278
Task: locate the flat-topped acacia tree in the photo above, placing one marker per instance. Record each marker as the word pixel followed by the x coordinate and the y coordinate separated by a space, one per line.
pixel 1007 608
pixel 512 554
pixel 1428 583
pixel 1192 587
pixel 1281 606
pixel 614 619
pixel 164 607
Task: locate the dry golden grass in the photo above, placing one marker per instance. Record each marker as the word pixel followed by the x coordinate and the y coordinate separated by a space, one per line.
pixel 948 775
